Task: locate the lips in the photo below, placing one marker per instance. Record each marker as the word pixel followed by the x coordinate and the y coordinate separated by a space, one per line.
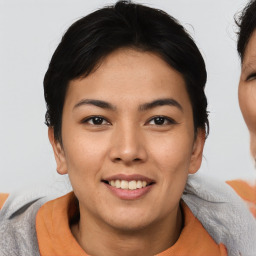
pixel 129 186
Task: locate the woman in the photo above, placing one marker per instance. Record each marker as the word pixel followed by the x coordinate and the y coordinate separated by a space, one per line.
pixel 127 117
pixel 247 92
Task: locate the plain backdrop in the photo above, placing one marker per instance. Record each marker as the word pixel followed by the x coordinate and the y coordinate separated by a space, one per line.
pixel 31 30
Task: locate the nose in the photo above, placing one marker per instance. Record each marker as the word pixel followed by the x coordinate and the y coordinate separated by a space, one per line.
pixel 128 145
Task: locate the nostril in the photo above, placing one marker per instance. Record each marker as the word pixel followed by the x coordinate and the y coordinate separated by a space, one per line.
pixel 117 159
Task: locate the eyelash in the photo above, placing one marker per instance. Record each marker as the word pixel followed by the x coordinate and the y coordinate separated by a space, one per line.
pixel 251 77
pixel 94 118
pixel 162 119
pixel 169 120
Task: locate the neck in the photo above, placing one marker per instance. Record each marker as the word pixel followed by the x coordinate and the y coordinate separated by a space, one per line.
pixel 99 239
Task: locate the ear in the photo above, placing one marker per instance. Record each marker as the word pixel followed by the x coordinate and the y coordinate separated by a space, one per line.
pixel 197 153
pixel 58 153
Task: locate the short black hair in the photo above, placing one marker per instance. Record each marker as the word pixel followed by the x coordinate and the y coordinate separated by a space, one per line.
pixel 246 22
pixel 124 25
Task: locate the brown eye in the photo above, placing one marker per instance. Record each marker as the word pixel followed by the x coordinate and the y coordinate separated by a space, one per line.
pixel 96 120
pixel 161 120
pixel 251 77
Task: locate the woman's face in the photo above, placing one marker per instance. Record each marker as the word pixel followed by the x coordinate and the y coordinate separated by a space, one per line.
pixel 247 90
pixel 128 124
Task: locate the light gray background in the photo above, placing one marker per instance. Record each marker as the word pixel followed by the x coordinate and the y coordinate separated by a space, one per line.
pixel 29 33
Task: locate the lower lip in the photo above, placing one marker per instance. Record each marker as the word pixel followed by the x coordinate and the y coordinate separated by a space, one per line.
pixel 127 194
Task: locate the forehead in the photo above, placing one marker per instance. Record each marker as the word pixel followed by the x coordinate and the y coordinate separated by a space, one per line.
pixel 129 74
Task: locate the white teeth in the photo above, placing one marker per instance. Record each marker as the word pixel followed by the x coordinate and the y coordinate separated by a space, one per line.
pixel 124 184
pixel 118 184
pixel 131 185
pixel 139 184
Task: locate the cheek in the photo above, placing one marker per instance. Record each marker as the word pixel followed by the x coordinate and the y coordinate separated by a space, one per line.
pixel 173 160
pixel 85 156
pixel 247 101
pixel 172 154
pixel 84 152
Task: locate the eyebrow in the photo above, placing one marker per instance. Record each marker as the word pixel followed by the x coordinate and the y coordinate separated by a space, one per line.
pixel 143 107
pixel 97 103
pixel 161 102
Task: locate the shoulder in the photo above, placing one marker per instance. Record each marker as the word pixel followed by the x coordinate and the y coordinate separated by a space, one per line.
pixel 222 213
pixel 194 239
pixel 17 220
pixel 200 240
pixel 246 191
pixel 20 200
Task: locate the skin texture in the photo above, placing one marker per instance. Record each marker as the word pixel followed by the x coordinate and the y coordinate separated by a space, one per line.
pixel 128 141
pixel 247 90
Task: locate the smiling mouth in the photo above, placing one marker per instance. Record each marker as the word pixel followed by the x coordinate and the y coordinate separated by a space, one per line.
pixel 128 185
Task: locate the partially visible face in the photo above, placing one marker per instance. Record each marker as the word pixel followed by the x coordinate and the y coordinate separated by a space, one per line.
pixel 247 90
pixel 128 141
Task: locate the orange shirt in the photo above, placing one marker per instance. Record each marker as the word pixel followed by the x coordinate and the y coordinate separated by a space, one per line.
pixel 3 198
pixel 55 237
pixel 247 192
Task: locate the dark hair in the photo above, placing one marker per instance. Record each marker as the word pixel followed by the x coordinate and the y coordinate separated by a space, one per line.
pixel 246 22
pixel 89 40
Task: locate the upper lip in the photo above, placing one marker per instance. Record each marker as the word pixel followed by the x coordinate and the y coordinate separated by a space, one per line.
pixel 130 177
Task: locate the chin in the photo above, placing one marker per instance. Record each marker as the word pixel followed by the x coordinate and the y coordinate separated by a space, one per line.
pixel 130 227
pixel 130 221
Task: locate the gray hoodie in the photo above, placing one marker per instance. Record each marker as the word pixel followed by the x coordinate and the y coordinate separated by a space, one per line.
pixel 222 213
